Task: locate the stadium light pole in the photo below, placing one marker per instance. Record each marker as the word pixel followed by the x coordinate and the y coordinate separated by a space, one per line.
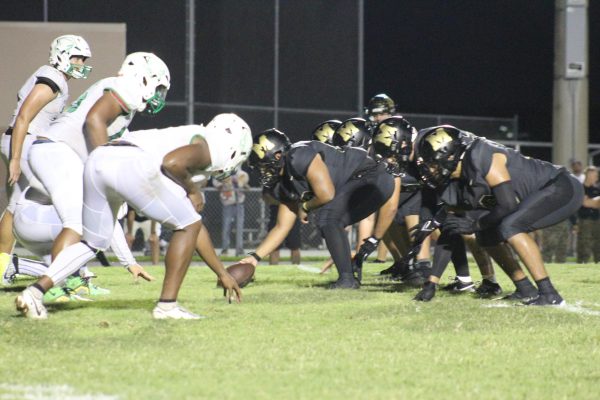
pixel 190 56
pixel 570 111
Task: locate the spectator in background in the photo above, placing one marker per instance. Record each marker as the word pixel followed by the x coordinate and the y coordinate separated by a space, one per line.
pixel 293 241
pixel 588 232
pixel 231 193
pixel 577 170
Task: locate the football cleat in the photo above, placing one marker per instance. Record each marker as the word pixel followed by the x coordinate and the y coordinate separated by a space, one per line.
pixel 427 293
pixel 85 287
pixel 9 274
pixel 488 289
pixel 345 283
pixel 176 312
pixel 458 286
pixel 391 270
pixel 517 296
pixel 30 306
pixel 545 299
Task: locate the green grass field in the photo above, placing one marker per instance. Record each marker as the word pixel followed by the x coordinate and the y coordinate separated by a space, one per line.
pixel 292 339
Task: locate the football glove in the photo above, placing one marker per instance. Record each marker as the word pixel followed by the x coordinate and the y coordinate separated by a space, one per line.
pixel 461 225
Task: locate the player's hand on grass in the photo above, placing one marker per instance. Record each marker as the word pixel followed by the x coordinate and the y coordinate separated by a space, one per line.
pixel 138 271
pixel 231 290
pixel 427 293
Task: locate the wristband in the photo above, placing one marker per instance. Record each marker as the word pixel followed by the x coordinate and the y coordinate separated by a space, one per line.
pixel 305 208
pixel 256 256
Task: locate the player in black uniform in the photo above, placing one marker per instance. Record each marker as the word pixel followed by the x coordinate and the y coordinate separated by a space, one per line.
pixel 353 132
pixel 380 107
pixel 324 131
pixel 343 186
pixel 505 196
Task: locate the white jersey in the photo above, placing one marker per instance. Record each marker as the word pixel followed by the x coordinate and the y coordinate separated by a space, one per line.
pixel 57 81
pixel 68 127
pixel 159 142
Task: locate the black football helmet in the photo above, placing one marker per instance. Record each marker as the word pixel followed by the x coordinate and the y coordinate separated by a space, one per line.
pixel 438 152
pixel 352 132
pixel 267 156
pixel 324 131
pixel 379 104
pixel 393 143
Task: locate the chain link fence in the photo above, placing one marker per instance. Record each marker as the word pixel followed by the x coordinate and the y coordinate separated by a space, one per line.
pixel 255 222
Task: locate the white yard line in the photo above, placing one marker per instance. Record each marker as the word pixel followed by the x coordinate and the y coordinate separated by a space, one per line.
pixel 576 308
pixel 45 392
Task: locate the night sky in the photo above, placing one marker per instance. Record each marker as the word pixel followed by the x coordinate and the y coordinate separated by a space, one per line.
pixel 487 58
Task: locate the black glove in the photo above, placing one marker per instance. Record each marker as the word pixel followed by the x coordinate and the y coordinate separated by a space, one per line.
pixel 419 232
pixel 461 225
pixel 365 250
pixel 427 293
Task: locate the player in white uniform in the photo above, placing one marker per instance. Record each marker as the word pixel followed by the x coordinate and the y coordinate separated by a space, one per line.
pixel 37 224
pixel 101 113
pixel 39 101
pixel 152 171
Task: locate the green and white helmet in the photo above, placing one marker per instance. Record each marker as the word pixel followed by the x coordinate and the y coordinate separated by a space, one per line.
pixel 230 140
pixel 63 48
pixel 152 76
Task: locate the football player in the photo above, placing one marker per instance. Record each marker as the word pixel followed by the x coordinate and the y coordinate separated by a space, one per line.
pixel 39 101
pixel 160 165
pixel 344 187
pixel 506 196
pixel 324 131
pixel 101 113
pixel 380 107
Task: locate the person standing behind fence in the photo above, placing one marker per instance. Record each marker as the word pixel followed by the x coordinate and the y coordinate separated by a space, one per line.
pixel 232 195
pixel 587 220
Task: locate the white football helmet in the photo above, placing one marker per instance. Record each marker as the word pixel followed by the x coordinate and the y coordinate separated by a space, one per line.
pixel 67 46
pixel 152 76
pixel 235 136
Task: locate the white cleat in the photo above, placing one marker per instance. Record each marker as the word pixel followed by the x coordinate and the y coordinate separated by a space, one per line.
pixel 177 312
pixel 30 306
pixel 8 276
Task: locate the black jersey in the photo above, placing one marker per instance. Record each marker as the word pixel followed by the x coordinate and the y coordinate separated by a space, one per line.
pixel 471 191
pixel 590 213
pixel 341 164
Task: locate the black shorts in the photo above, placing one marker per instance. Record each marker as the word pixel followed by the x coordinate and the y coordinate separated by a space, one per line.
pixel 358 198
pixel 553 203
pixel 409 204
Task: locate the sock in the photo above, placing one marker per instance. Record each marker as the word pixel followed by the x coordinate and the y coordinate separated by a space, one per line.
pixel 525 287
pixel 68 261
pixel 339 248
pixel 459 256
pixel 4 260
pixel 167 304
pixel 441 258
pixel 464 279
pixel 31 267
pixel 545 286
pixel 491 278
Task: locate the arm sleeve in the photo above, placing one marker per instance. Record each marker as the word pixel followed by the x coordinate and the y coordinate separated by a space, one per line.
pixel 119 245
pixel 49 82
pixel 506 203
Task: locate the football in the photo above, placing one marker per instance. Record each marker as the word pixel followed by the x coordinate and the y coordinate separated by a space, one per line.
pixel 241 272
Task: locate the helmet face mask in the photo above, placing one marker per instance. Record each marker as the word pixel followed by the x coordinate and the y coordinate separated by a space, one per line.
pixel 392 142
pixel 65 47
pixel 380 104
pixel 157 102
pixel 268 156
pixel 440 151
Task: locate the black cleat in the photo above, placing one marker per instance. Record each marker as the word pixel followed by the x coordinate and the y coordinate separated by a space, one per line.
pixel 459 286
pixel 377 261
pixel 345 283
pixel 412 278
pixel 392 270
pixel 545 299
pixel 518 296
pixel 427 293
pixel 488 289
